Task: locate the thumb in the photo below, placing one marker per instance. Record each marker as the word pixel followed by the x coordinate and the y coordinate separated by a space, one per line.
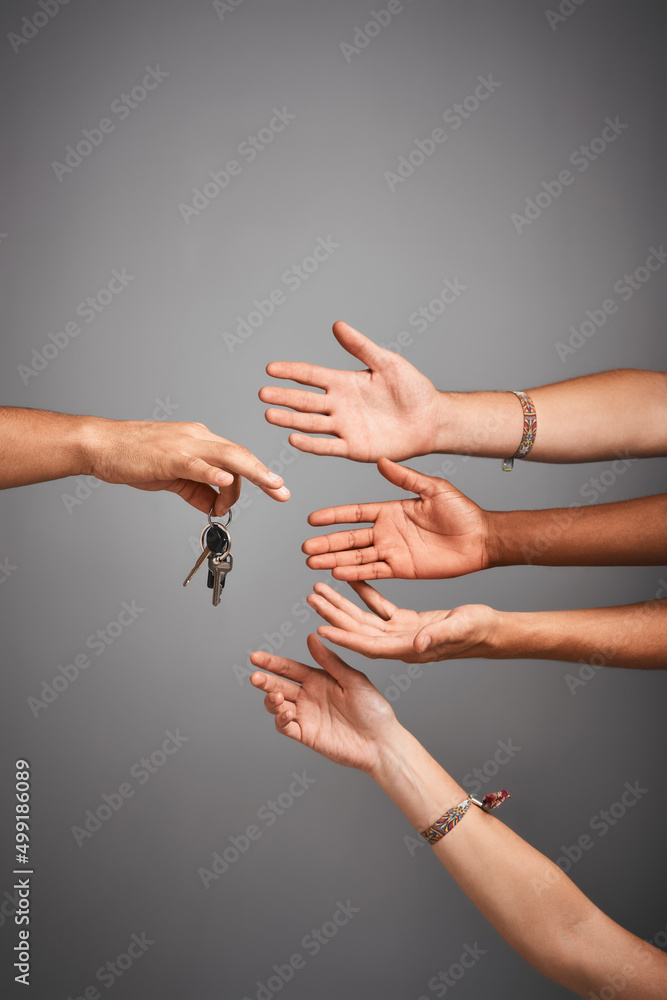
pixel 329 661
pixel 434 634
pixel 367 351
pixel 408 479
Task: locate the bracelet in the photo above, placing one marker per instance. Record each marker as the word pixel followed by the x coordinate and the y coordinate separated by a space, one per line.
pixel 448 820
pixel 529 429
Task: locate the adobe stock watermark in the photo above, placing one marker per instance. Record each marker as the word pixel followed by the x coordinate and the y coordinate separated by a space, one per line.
pixel 292 279
pixel 247 150
pixel 600 824
pixel 7 569
pixel 625 288
pixel 312 942
pixel 455 116
pixel 475 783
pixel 422 317
pixel 589 669
pixel 32 25
pixel 581 158
pixel 86 485
pixel 98 643
pixel 140 773
pixel 566 9
pixel 87 310
pixel 377 22
pixel 222 7
pixel 267 814
pixel 441 983
pixel 121 108
pixel 108 974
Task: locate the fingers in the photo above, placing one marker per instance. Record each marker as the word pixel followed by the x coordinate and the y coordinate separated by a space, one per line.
pixel 329 661
pixel 372 571
pixel 408 479
pixel 353 557
pixel 291 669
pixel 361 347
pixel 227 497
pixel 198 495
pixel 313 423
pixel 374 600
pixel 301 371
pixel 347 514
pixel 237 459
pixel 297 399
pixel 339 541
pixel 340 619
pixel 275 685
pixel 333 446
pixel 338 601
pixel 372 646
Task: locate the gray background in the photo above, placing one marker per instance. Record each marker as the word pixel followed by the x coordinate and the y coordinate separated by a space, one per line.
pixel 163 339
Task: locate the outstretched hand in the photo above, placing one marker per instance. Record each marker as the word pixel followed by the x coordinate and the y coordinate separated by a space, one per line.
pixel 388 409
pixel 335 711
pixel 440 535
pixel 183 458
pixel 398 634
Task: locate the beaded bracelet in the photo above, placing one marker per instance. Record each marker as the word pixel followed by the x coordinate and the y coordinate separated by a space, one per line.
pixel 529 429
pixel 448 820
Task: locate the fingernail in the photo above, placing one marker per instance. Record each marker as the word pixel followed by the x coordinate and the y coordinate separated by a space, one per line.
pixel 426 643
pixel 224 478
pixel 284 492
pixel 273 478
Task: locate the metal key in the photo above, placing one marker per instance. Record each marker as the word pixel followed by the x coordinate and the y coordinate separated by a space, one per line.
pixel 220 561
pixel 215 542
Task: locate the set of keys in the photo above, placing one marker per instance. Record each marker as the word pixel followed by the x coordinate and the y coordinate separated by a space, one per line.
pixel 216 544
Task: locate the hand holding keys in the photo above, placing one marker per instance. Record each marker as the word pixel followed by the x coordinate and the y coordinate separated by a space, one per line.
pixel 216 543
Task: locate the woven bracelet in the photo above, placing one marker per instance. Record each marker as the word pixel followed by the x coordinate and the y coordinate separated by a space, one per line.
pixel 448 820
pixel 529 429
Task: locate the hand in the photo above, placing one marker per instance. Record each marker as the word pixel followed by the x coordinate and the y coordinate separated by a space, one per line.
pixel 389 409
pixel 184 458
pixel 396 634
pixel 335 711
pixel 443 534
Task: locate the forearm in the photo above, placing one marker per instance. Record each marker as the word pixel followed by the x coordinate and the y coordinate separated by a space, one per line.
pixel 631 635
pixel 627 533
pixel 37 445
pixel 527 898
pixel 591 418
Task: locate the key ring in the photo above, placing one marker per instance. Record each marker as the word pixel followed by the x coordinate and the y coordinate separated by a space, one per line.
pixel 229 518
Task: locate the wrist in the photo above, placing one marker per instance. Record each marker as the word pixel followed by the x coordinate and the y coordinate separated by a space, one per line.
pixel 486 424
pixel 414 781
pixel 93 444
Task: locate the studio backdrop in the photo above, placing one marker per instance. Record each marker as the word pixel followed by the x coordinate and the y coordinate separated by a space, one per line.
pixel 191 190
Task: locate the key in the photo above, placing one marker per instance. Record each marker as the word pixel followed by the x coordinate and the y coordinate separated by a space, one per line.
pixel 205 553
pixel 220 561
pixel 222 565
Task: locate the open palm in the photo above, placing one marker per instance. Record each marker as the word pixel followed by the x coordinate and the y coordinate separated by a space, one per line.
pixel 388 409
pixel 440 535
pixel 399 634
pixel 335 711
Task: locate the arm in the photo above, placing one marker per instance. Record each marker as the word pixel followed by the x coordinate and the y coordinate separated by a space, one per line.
pixel 631 635
pixel 184 458
pixel 539 912
pixel 390 409
pixel 444 534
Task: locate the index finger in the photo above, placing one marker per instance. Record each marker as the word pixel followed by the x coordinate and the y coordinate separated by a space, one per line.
pixel 346 514
pixel 238 460
pixel 301 371
pixel 280 665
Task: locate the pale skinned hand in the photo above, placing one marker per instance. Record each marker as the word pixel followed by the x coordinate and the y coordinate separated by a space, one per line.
pixel 440 535
pixel 388 409
pixel 335 711
pixel 183 458
pixel 393 633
